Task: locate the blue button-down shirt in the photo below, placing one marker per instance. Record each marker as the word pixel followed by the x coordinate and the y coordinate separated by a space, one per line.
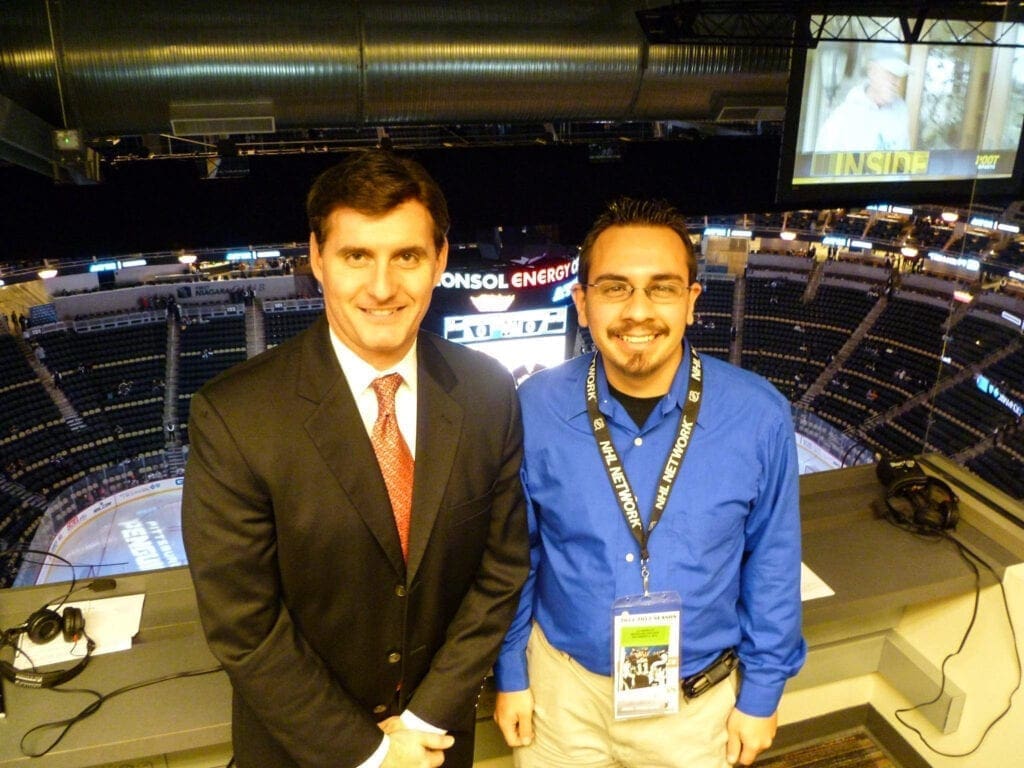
pixel 729 540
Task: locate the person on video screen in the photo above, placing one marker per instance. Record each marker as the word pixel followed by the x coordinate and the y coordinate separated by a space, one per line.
pixel 874 115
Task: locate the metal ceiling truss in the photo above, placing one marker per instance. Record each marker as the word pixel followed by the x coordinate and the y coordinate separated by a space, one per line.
pixel 597 133
pixel 805 24
pixel 905 29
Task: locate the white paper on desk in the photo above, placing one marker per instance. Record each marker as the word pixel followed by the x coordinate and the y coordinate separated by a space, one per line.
pixel 811 585
pixel 111 622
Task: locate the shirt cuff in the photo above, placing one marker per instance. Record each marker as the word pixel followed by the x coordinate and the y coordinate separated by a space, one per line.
pixel 414 723
pixel 758 700
pixel 376 760
pixel 510 672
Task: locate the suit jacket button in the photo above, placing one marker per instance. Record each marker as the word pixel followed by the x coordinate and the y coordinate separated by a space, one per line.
pixel 394 657
pixel 380 709
pixel 400 590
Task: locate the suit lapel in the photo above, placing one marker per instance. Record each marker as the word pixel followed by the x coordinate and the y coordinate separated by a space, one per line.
pixel 438 428
pixel 337 431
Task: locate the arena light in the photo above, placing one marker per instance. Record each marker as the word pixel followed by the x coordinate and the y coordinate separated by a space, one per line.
pixel 47 273
pixel 972 265
pixel 187 258
pixel 909 251
pixel 787 235
pixel 950 216
pixel 492 302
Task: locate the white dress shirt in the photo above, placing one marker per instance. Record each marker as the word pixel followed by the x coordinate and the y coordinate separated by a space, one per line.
pixel 360 375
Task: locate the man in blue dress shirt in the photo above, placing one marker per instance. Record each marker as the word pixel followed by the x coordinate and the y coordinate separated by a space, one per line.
pixel 727 538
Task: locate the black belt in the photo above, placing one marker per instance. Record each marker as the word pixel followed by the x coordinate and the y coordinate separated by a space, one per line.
pixel 711 675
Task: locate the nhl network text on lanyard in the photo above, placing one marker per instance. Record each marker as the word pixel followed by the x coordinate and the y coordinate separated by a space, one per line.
pixel 617 475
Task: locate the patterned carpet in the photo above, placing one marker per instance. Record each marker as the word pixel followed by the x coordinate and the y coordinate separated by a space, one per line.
pixel 855 750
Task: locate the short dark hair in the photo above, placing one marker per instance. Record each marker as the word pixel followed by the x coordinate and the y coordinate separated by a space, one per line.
pixel 373 182
pixel 629 212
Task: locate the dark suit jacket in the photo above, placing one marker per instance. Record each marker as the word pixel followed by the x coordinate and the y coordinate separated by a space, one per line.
pixel 302 588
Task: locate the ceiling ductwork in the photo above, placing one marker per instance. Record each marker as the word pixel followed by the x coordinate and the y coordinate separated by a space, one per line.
pixel 144 67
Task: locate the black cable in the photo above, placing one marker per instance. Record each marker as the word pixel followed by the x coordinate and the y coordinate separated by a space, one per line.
pixel 966 553
pixel 97 586
pixel 9 641
pixel 90 709
pixel 46 553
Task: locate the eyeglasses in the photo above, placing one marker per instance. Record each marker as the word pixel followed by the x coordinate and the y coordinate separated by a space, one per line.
pixel 659 291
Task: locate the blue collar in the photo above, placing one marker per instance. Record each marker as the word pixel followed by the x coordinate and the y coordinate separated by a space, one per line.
pixel 674 399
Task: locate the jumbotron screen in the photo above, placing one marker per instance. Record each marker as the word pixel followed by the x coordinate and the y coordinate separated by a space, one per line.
pixel 522 315
pixel 524 342
pixel 870 112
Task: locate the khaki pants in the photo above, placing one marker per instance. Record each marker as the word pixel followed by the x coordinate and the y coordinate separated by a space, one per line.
pixel 574 726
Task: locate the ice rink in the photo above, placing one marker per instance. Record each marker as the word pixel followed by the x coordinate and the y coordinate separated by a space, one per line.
pixel 140 529
pixel 137 530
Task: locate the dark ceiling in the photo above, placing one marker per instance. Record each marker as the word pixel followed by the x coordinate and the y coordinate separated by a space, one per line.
pixel 197 124
pixel 167 205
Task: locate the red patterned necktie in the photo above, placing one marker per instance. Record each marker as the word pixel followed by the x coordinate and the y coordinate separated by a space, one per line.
pixel 393 455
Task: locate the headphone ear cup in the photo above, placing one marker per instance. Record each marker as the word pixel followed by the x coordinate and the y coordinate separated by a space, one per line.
pixel 945 502
pixel 929 505
pixel 43 626
pixel 951 512
pixel 927 515
pixel 894 511
pixel 901 509
pixel 74 624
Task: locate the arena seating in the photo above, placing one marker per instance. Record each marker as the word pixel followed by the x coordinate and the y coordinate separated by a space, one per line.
pixel 970 242
pixel 901 383
pixel 114 379
pixel 802 220
pixel 978 335
pixel 849 225
pixel 210 344
pixel 773 220
pixel 1001 466
pixel 1010 253
pixel 790 341
pixel 711 331
pixel 930 235
pixel 885 230
pixel 285 318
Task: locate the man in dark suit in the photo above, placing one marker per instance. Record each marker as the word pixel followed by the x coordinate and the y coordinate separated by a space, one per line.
pixel 356 634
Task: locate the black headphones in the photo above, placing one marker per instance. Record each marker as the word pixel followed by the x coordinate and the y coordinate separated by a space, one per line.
pixel 46 624
pixel 915 500
pixel 41 627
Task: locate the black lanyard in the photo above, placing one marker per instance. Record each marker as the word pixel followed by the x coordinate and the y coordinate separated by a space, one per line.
pixel 616 473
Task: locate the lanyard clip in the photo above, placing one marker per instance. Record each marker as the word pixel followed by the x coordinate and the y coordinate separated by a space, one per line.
pixel 645 574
